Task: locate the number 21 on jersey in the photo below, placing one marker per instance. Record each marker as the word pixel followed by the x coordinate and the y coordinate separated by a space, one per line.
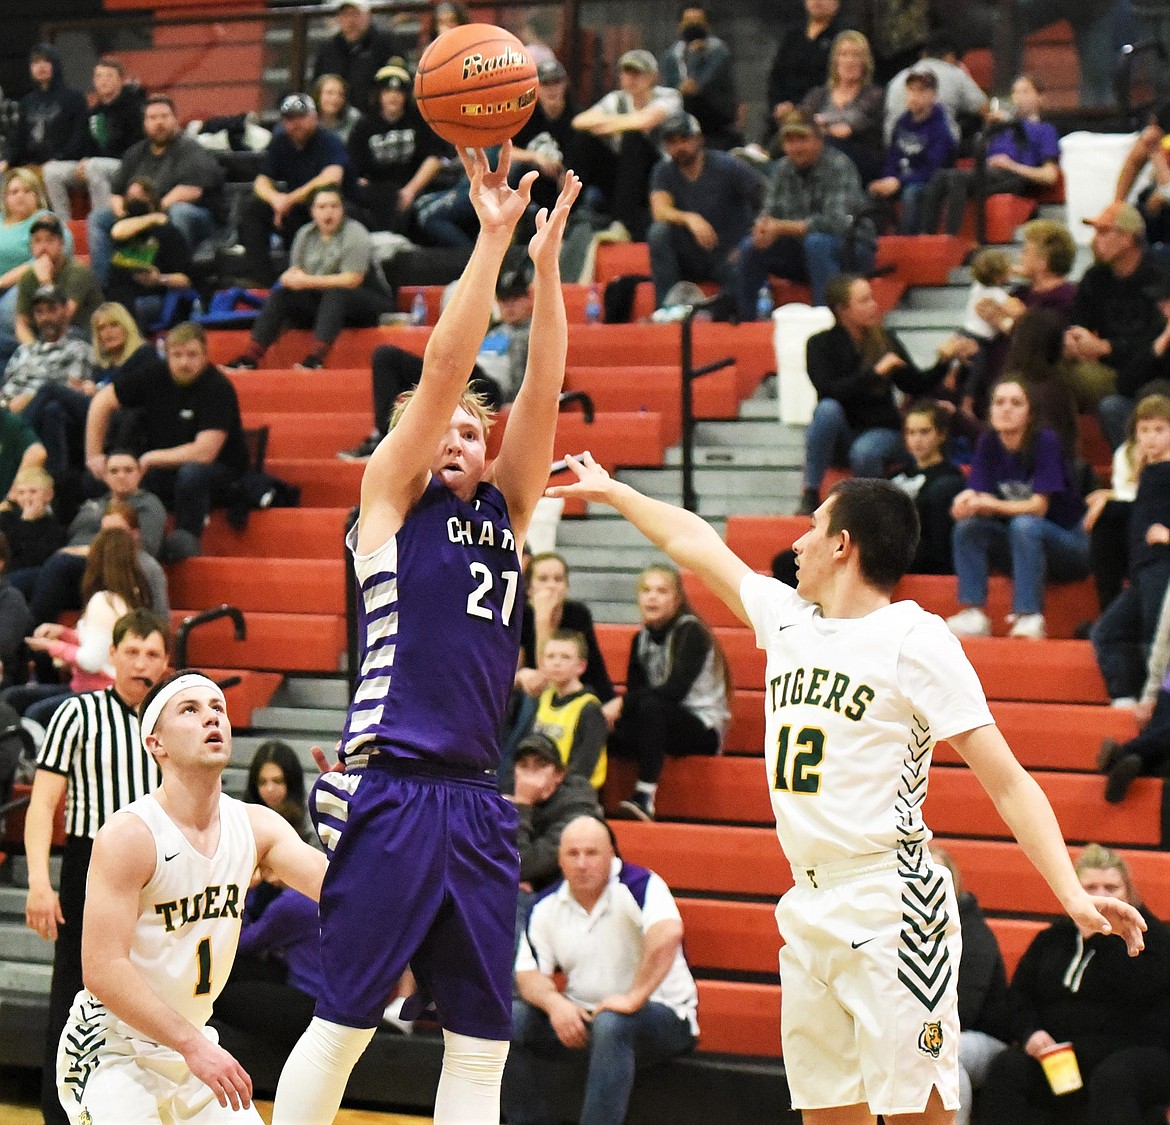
pixel 797 758
pixel 477 597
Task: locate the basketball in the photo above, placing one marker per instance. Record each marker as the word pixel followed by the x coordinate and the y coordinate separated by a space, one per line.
pixel 476 85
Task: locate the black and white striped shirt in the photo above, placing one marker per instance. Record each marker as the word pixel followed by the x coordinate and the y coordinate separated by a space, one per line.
pixel 93 740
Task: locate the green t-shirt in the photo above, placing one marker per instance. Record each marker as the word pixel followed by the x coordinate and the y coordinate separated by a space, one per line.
pixel 75 281
pixel 16 435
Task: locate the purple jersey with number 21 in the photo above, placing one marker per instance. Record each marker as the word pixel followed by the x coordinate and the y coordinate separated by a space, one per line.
pixel 438 633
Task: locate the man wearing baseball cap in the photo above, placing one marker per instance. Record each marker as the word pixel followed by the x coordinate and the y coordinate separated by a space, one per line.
pixel 357 50
pixel 628 119
pixel 1113 321
pixel 53 265
pixel 54 356
pixel 703 202
pixel 300 158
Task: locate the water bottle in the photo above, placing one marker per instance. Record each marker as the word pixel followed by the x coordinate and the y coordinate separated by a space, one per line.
pixel 418 309
pixel 764 304
pixel 593 306
pixel 197 310
pixel 160 346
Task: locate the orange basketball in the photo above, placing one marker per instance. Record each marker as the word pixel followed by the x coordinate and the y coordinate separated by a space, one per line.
pixel 476 85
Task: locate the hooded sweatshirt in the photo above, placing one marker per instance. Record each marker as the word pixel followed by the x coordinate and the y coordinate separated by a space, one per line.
pixel 54 122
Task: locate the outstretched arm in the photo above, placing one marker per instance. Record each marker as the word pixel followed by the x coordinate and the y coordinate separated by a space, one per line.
pixel 521 470
pixel 281 852
pixel 1026 811
pixel 687 538
pixel 398 472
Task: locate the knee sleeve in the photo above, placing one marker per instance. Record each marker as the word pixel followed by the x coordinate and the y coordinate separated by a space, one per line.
pixel 314 1077
pixel 469 1087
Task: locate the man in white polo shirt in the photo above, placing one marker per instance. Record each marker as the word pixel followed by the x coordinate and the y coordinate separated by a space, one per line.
pixel 629 1001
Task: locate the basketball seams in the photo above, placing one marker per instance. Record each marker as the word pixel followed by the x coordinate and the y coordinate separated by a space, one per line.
pixel 465 94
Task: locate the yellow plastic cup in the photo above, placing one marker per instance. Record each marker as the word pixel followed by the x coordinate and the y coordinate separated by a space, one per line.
pixel 1060 1068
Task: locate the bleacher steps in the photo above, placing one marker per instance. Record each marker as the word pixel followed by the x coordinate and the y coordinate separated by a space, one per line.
pixel 313 691
pixel 25 976
pixel 19 943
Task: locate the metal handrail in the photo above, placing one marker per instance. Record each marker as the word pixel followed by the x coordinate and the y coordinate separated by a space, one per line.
pixel 205 617
pixel 578 398
pixel 690 373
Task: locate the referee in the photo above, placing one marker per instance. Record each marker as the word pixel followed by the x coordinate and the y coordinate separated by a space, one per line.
pixel 94 758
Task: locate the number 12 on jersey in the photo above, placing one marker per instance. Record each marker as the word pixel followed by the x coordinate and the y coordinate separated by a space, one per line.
pixel 799 775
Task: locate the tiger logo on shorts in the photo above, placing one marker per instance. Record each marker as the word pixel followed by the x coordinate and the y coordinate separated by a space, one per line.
pixel 930 1039
pixel 85 1118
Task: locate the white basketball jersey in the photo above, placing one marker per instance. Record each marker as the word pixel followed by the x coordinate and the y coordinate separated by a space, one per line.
pixel 189 913
pixel 853 708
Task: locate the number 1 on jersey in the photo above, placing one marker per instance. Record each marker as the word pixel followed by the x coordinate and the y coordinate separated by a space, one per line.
pixel 203 960
pixel 804 778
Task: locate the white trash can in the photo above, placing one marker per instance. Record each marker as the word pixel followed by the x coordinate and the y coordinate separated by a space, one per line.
pixel 1091 163
pixel 792 325
pixel 542 530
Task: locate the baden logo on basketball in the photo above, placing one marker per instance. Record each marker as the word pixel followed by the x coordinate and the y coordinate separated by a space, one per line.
pixel 508 59
pixel 930 1040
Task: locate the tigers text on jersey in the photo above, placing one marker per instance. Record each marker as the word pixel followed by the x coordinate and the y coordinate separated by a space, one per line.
pixel 853 708
pixel 438 632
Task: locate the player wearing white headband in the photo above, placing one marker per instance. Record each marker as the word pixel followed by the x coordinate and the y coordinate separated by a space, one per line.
pixel 162 919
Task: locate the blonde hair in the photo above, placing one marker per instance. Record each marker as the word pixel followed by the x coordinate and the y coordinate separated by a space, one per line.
pixel 856 39
pixel 1100 858
pixel 1152 406
pixel 991 267
pixel 472 401
pixel 30 180
pixel 1055 243
pixel 36 476
pixel 113 313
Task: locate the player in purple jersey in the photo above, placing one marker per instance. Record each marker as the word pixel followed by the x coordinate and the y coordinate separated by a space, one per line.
pixel 423 862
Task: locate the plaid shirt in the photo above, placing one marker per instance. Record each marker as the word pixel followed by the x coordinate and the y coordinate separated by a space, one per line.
pixel 33 365
pixel 828 195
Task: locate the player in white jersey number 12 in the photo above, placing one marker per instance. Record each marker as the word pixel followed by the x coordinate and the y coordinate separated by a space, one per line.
pixel 858 689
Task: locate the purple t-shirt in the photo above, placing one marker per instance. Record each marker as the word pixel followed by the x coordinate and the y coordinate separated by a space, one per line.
pixel 1014 476
pixel 1033 143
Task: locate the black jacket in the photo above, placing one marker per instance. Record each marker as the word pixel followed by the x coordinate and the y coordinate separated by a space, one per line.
pixel 54 123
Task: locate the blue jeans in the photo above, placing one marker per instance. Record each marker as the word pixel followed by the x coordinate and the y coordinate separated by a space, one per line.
pixel 829 440
pixel 675 256
pixel 1122 634
pixel 815 258
pixel 1030 548
pixel 912 199
pixel 193 222
pixel 57 414
pixel 618 1045
pixel 190 490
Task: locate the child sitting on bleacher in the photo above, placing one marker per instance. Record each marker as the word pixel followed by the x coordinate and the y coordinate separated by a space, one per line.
pixel 990 272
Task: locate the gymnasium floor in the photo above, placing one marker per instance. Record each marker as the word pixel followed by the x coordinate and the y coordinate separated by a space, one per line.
pixel 20 1104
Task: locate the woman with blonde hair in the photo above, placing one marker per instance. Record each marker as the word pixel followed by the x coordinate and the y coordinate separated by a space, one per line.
pixel 848 108
pixel 678 687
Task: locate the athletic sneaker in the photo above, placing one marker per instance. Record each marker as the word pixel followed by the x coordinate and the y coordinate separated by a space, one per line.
pixel 364 449
pixel 242 363
pixel 1029 625
pixel 309 363
pixel 969 622
pixel 1124 703
pixel 638 807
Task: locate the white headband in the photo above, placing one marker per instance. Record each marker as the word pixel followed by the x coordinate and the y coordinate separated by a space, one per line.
pixel 180 683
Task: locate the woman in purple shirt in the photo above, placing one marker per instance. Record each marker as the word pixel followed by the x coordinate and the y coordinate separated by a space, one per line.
pixel 1023 158
pixel 1020 512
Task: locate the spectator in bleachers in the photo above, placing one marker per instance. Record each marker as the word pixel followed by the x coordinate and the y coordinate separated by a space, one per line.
pixel 801 62
pixel 498 370
pixel 300 158
pixel 15 622
pixel 1112 1009
pixel 678 688
pixel 448 14
pixel 53 115
pixel 1023 158
pixel 113 585
pixel 276 778
pixel 699 66
pixel 933 482
pixel 335 111
pixel 93 760
pixel 357 51
pixel 54 266
pixel 984 1007
pixel 628 118
pixel 56 355
pixel 1122 635
pixel 848 107
pixel 808 229
pixel 920 146
pixel 702 202
pixel 899 31
pixel 1114 319
pixel 1021 511
pixel 151 257
pixel 630 1000
pixel 329 284
pixel 1148 372
pixel 1045 260
pixel 190 430
pixel 30 526
pixel 115 123
pixel 1108 515
pixel 126 505
pixel 1152 149
pixel 394 153
pixel 1034 358
pixel 22 204
pixel 958 93
pixel 1093 26
pixel 855 367
pixel 188 178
